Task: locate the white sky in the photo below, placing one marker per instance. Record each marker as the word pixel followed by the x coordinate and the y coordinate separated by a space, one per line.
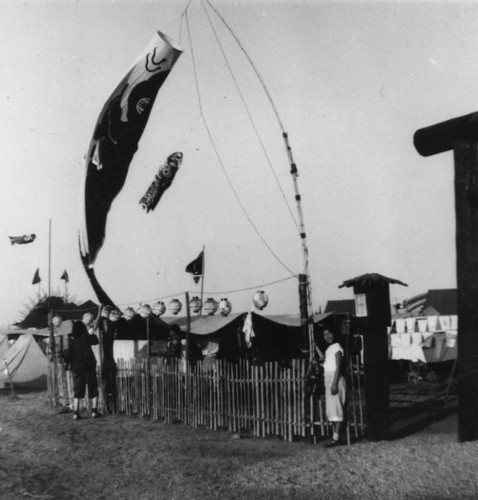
pixel 351 81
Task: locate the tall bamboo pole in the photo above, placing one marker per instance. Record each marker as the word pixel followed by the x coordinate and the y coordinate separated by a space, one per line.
pixel 50 325
pixel 305 250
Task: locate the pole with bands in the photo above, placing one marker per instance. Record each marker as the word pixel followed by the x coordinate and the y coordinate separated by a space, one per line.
pixel 305 251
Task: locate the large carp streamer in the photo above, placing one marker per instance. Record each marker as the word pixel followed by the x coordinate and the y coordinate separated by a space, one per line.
pixel 118 130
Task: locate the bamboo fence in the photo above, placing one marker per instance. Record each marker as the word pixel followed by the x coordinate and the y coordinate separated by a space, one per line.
pixel 240 397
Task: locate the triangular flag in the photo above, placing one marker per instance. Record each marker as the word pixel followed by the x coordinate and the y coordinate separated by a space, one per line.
pixel 196 267
pixel 65 277
pixel 36 278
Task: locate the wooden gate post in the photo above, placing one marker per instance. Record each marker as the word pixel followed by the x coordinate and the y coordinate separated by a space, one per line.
pixel 373 315
pixel 461 135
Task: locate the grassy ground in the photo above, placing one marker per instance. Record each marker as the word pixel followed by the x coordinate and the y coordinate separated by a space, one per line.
pixel 47 455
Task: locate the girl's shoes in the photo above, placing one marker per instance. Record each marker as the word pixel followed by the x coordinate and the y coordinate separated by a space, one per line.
pixel 332 443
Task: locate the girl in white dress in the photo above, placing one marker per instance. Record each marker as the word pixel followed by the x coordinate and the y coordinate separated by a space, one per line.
pixel 335 389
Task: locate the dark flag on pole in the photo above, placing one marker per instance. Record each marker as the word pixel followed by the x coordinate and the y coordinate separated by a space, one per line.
pixel 196 267
pixel 36 278
pixel 65 277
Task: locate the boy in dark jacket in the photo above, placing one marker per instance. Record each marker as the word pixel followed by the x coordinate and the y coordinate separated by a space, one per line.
pixel 81 360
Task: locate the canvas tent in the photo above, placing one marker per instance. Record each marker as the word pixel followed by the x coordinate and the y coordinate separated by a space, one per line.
pixel 225 330
pixel 4 345
pixel 24 364
pixel 131 341
pixel 239 335
pixel 275 338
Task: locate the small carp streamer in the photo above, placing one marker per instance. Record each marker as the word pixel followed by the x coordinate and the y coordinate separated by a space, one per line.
pixel 21 240
pixel 162 180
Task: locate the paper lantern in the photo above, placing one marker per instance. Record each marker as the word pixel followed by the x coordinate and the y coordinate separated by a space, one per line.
pixel 129 314
pixel 225 307
pixel 57 321
pixel 260 300
pixel 175 306
pixel 159 308
pixel 145 311
pixel 210 306
pixel 195 305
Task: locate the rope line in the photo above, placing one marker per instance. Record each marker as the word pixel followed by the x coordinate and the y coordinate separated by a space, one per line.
pixel 155 299
pixel 251 62
pixel 183 14
pixel 203 118
pixel 293 165
pixel 241 95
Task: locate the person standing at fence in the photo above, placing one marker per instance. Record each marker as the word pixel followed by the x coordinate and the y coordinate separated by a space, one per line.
pixel 108 330
pixel 81 360
pixel 210 350
pixel 335 389
pixel 173 347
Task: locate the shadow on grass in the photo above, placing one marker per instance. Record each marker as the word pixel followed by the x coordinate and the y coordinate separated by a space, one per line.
pixel 412 420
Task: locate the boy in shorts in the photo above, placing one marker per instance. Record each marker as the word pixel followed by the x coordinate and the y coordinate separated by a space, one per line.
pixel 81 360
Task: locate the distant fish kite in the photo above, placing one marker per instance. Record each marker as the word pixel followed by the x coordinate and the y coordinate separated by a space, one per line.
pixel 21 240
pixel 162 180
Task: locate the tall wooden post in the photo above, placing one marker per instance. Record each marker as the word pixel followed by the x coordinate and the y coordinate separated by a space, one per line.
pixel 188 326
pixel 148 366
pixel 461 135
pixel 304 314
pixel 373 315
pixel 202 277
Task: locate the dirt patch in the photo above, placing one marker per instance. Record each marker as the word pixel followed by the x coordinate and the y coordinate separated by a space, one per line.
pixel 47 455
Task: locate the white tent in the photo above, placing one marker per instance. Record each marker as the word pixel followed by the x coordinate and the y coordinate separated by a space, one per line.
pixel 24 364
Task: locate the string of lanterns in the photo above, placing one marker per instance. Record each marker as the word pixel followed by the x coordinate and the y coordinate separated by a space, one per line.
pixel 260 301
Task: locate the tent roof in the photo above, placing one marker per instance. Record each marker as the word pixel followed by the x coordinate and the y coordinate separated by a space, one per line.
pixel 320 317
pixel 13 330
pixel 341 306
pixel 444 301
pixel 283 319
pixel 204 325
pixel 371 280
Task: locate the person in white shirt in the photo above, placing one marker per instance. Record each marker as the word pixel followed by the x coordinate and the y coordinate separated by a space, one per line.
pixel 335 389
